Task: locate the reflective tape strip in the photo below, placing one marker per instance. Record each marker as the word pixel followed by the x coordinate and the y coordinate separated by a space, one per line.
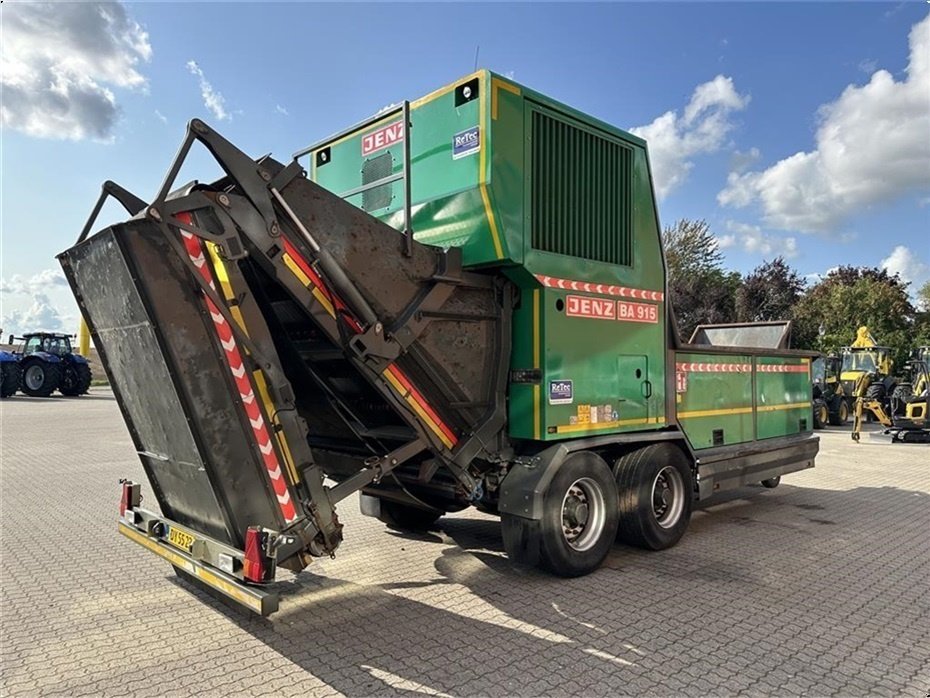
pixel 306 281
pixel 602 289
pixel 713 368
pixel 196 570
pixel 195 250
pixel 419 405
pixel 782 368
pixel 788 406
pixel 395 376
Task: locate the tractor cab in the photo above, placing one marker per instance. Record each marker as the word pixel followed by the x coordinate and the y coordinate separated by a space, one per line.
pixel 54 344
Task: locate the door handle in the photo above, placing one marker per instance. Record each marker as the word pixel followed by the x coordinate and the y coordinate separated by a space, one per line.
pixel 647 388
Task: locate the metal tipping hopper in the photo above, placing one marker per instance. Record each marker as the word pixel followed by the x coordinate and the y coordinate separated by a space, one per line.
pixel 263 336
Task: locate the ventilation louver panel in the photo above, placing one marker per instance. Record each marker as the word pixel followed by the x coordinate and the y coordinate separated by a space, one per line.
pixel 581 192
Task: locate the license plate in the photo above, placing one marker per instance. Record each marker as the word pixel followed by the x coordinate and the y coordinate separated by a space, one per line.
pixel 180 539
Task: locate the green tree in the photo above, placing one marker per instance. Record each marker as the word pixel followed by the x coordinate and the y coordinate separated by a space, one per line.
pixel 827 316
pixel 769 292
pixel 922 323
pixel 923 297
pixel 700 290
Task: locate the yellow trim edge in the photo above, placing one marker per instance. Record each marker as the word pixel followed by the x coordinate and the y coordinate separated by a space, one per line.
pixel 570 428
pixel 207 577
pixel 789 406
pixel 498 84
pixel 715 413
pixel 536 388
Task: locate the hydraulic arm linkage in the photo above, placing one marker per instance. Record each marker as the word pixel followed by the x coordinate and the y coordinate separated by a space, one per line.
pixel 248 214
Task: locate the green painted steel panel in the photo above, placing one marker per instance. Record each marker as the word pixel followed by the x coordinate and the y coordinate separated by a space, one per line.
pixel 713 393
pixel 741 397
pixel 783 397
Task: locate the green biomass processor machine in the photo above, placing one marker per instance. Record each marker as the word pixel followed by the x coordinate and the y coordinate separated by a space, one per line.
pixel 458 302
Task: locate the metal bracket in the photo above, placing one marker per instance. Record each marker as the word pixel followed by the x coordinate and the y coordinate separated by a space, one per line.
pixel 132 203
pixel 376 468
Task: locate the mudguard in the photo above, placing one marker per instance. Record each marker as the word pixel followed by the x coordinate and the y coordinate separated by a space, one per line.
pixel 44 356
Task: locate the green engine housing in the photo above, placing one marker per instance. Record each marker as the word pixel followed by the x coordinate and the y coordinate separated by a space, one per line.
pixel 563 205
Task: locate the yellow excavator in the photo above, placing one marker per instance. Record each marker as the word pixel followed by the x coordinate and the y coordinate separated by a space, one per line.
pixel 905 416
pixel 865 360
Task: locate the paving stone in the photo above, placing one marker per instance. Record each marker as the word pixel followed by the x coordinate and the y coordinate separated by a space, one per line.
pixel 761 597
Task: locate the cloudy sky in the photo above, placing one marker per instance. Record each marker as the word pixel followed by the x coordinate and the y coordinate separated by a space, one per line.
pixel 795 129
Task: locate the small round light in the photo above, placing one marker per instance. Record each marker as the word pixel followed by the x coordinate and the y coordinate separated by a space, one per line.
pixel 466 92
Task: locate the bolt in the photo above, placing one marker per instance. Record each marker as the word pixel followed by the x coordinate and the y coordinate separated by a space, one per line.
pixel 264 174
pixel 378 328
pixel 153 212
pixel 199 126
pixel 274 229
pixel 223 199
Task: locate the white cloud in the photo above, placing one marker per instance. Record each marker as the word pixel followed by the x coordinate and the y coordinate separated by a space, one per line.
pixel 161 117
pixel 753 241
pixel 908 266
pixel 868 65
pixel 58 65
pixel 740 161
pixel 872 147
pixel 212 99
pixel 281 110
pixel 41 316
pixel 702 128
pixel 37 283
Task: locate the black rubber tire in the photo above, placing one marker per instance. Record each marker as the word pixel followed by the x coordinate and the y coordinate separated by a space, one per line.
pixel 11 376
pixel 75 380
pixel 840 416
pixel 543 542
pixel 51 377
pixel 876 391
pixel 772 482
pixel 821 414
pixel 406 518
pixel 637 474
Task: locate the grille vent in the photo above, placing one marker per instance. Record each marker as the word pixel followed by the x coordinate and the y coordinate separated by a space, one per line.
pixel 374 169
pixel 580 193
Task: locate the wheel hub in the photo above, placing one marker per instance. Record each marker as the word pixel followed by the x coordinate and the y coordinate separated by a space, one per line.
pixel 34 377
pixel 668 497
pixel 583 514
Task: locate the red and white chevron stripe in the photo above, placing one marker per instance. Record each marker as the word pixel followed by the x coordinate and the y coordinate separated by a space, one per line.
pixel 713 368
pixel 195 251
pixel 739 368
pixel 781 368
pixel 603 289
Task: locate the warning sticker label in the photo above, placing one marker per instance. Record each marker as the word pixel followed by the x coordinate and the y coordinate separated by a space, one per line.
pixel 560 392
pixel 466 142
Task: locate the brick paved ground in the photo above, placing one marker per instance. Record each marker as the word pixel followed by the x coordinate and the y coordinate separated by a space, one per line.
pixel 819 587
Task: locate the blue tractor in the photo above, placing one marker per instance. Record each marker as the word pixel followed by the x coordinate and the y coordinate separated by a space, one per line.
pixel 10 373
pixel 48 364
